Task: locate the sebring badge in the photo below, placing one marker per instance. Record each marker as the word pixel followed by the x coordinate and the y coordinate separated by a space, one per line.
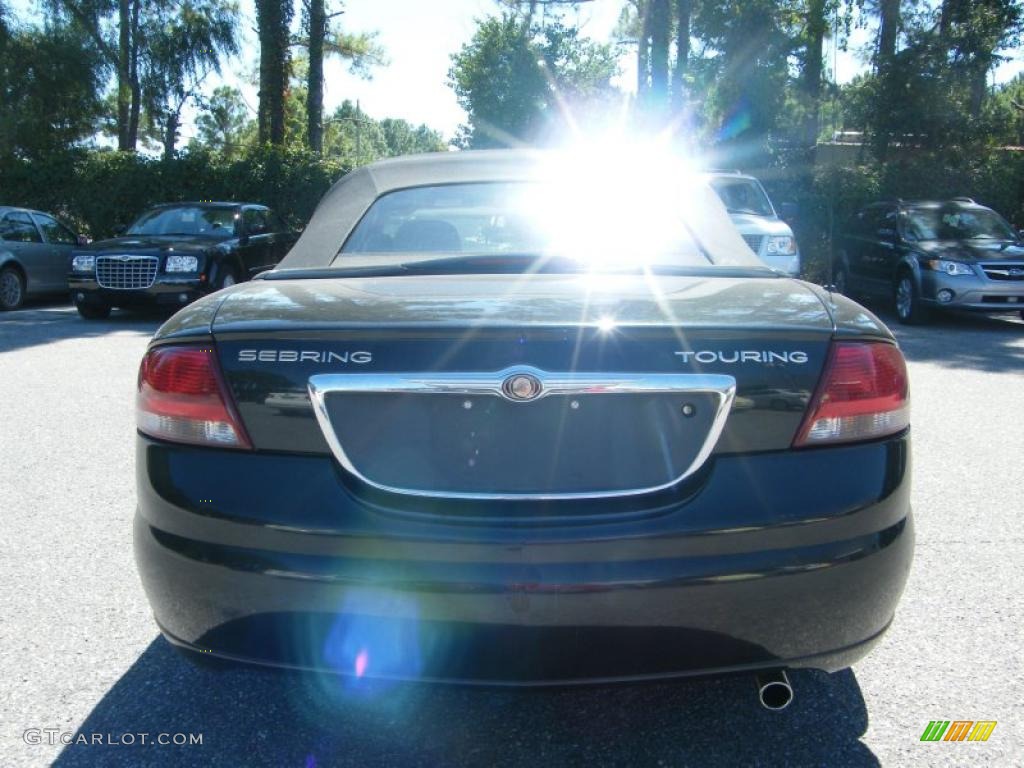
pixel 521 387
pixel 303 356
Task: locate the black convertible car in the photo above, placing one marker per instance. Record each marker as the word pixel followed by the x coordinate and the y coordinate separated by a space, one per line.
pixel 174 253
pixel 492 421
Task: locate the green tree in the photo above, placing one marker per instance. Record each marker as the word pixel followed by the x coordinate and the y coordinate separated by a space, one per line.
pixel 402 138
pixel 514 75
pixel 974 32
pixel 49 81
pixel 224 122
pixel 154 49
pixel 189 46
pixel 1008 105
pixel 747 76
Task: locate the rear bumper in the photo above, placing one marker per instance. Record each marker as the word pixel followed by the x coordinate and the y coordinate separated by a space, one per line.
pixel 285 565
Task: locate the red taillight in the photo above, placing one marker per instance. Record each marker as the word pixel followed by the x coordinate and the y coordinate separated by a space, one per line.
pixel 862 395
pixel 182 397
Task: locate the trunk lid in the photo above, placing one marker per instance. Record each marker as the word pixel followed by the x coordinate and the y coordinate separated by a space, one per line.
pixel 770 336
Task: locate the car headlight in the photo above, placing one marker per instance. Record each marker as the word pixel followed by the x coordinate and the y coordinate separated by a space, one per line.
pixel 783 245
pixel 178 263
pixel 950 267
pixel 83 262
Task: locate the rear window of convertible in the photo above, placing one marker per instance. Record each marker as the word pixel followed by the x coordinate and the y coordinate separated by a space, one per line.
pixel 496 218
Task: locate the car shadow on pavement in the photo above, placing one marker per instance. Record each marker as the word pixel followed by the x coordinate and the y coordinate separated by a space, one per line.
pixel 252 716
pixel 42 324
pixel 961 340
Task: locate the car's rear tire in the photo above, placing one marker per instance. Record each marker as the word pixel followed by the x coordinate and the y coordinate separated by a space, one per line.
pixel 12 289
pixel 226 277
pixel 909 308
pixel 93 311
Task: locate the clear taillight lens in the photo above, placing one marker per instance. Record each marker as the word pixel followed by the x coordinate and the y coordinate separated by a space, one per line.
pixel 182 397
pixel 863 395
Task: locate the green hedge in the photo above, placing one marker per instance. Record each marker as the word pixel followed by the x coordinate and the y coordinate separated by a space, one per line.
pixel 99 190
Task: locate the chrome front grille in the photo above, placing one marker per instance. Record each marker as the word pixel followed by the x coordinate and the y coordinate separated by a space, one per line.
pixel 1002 271
pixel 754 242
pixel 126 272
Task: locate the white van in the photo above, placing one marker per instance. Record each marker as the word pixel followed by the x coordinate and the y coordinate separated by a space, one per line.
pixel 755 218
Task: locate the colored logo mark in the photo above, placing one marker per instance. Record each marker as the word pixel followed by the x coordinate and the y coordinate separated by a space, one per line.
pixel 958 730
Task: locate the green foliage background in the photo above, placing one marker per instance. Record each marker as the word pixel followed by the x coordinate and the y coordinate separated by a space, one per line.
pixel 97 191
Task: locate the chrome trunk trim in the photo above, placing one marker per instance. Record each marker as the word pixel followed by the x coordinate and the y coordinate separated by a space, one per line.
pixel 321 385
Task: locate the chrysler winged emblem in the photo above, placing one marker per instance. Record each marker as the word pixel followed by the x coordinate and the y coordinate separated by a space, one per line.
pixel 521 387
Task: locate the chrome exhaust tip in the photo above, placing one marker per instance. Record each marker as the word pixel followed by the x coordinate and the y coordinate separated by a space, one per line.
pixel 773 690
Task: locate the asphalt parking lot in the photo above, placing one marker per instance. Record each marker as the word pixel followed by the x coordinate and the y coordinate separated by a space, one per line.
pixel 80 653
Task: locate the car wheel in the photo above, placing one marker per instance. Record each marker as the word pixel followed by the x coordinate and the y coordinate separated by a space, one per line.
pixel 909 309
pixel 12 289
pixel 93 311
pixel 227 277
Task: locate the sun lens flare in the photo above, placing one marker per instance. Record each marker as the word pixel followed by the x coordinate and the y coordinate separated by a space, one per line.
pixel 612 203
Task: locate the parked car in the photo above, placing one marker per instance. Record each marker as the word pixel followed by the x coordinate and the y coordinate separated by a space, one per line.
pixel 175 253
pixel 519 459
pixel 756 219
pixel 35 251
pixel 925 255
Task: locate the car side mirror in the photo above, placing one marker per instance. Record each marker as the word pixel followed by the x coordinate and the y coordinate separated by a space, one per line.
pixel 788 211
pixel 118 229
pixel 1020 234
pixel 83 240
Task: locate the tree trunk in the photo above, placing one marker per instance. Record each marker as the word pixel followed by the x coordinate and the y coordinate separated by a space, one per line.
pixel 661 27
pixel 136 84
pixel 816 27
pixel 643 51
pixel 948 14
pixel 170 134
pixel 124 89
pixel 979 86
pixel 887 35
pixel 272 19
pixel 683 12
pixel 315 81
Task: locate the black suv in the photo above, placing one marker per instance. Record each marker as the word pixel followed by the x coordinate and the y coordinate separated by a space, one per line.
pixel 175 253
pixel 952 254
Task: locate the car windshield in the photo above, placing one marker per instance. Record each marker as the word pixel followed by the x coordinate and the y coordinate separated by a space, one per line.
pixel 742 196
pixel 204 221
pixel 531 219
pixel 957 224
